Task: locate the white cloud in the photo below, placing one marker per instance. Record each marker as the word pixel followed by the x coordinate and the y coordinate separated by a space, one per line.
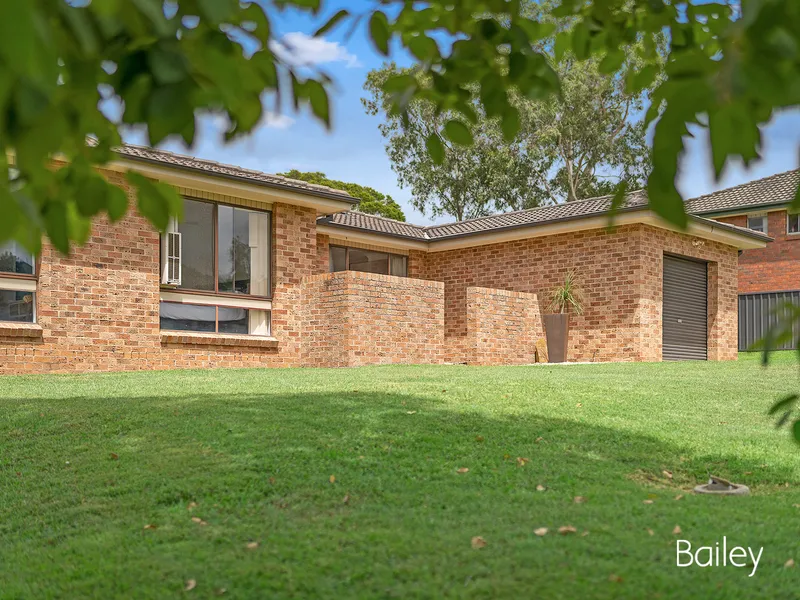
pixel 301 50
pixel 269 119
pixel 276 120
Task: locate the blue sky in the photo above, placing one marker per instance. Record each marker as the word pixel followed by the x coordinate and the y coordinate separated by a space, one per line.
pixel 354 149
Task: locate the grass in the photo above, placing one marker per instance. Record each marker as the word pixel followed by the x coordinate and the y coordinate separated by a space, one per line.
pixel 269 456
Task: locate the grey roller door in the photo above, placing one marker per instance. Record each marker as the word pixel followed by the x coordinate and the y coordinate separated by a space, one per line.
pixel 685 309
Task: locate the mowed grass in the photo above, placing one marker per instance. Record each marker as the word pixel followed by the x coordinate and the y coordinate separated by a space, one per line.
pixel 348 482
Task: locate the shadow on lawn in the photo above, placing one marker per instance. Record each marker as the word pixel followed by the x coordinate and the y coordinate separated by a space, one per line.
pixel 292 437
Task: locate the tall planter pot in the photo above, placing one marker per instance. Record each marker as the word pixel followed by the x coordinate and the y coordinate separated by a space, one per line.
pixel 556 328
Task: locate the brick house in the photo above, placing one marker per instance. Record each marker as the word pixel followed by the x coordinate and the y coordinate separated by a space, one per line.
pixel 769 276
pixel 267 271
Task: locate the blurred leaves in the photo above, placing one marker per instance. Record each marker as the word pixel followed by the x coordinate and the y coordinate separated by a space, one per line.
pixel 73 70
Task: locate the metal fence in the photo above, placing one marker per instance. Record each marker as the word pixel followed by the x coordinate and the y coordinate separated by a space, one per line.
pixel 758 312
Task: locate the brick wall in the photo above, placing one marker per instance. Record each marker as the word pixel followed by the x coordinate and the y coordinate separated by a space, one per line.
pixel 622 272
pixel 722 294
pixel 502 327
pixel 775 268
pixel 98 309
pixel 353 319
pixel 607 262
pixel 323 254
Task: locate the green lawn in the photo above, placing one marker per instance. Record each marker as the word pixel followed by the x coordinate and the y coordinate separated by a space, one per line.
pixel 348 481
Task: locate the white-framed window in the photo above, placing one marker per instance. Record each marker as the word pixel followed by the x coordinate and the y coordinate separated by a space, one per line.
pixel 17 284
pixel 215 270
pixel 793 223
pixel 757 222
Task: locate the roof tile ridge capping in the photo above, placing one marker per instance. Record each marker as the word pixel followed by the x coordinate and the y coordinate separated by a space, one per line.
pixel 534 209
pixel 382 218
pixel 136 148
pixel 745 184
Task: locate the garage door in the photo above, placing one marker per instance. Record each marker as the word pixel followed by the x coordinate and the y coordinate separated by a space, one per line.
pixel 685 309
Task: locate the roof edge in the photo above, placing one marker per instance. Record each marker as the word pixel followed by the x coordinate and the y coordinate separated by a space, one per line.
pixel 341 197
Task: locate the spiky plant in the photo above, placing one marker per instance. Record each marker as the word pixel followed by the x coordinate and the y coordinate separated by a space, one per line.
pixel 568 296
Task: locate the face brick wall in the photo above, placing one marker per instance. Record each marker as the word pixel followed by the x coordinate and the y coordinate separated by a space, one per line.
pixel 607 262
pixel 775 268
pixel 98 308
pixel 502 327
pixel 722 294
pixel 354 319
pixel 621 273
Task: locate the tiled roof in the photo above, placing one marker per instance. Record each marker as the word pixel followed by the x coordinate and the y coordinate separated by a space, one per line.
pixel 521 218
pixel 356 220
pixel 209 167
pixel 542 215
pixel 535 216
pixel 777 189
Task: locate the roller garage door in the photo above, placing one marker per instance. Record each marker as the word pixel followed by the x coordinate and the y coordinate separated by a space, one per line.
pixel 685 309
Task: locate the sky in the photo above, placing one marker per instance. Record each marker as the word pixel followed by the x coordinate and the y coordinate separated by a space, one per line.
pixel 353 149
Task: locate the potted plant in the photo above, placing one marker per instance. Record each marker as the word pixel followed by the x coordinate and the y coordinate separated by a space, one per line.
pixel 565 298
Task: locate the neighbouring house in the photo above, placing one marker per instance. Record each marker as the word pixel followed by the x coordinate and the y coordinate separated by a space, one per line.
pixel 769 277
pixel 267 271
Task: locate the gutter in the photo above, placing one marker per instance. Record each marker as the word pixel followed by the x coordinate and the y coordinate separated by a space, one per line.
pixel 240 179
pixel 432 241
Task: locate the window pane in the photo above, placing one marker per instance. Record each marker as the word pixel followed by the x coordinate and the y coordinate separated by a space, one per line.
pixel 369 261
pixel 16 306
pixel 757 223
pixel 188 317
pixel 233 320
pixel 338 259
pixel 794 223
pixel 15 259
pixel 244 238
pixel 399 266
pixel 197 240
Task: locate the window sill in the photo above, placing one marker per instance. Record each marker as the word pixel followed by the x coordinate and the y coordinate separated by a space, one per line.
pixel 22 330
pixel 217 339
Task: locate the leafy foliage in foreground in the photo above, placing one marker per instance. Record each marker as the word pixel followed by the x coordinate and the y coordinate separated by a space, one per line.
pixel 371 201
pixel 233 489
pixel 72 70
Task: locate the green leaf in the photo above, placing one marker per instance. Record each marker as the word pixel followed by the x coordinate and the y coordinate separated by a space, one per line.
pixel 580 41
pixel 218 11
pixel 318 97
pixel 783 404
pixel 379 32
pixel 638 81
pixel 510 124
pixel 55 221
pixel 167 66
pixel 116 202
pixel 458 133
pixel 435 148
pixel 424 48
pixel 156 201
pixel 612 62
pixel 795 206
pixel 332 22
pixel 562 44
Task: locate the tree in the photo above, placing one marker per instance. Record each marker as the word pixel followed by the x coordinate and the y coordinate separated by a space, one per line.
pixel 69 70
pixel 371 201
pixel 471 181
pixel 579 144
pixel 592 135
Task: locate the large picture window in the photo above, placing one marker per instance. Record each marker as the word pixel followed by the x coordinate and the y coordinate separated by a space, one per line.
pixel 368 261
pixel 217 251
pixel 17 284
